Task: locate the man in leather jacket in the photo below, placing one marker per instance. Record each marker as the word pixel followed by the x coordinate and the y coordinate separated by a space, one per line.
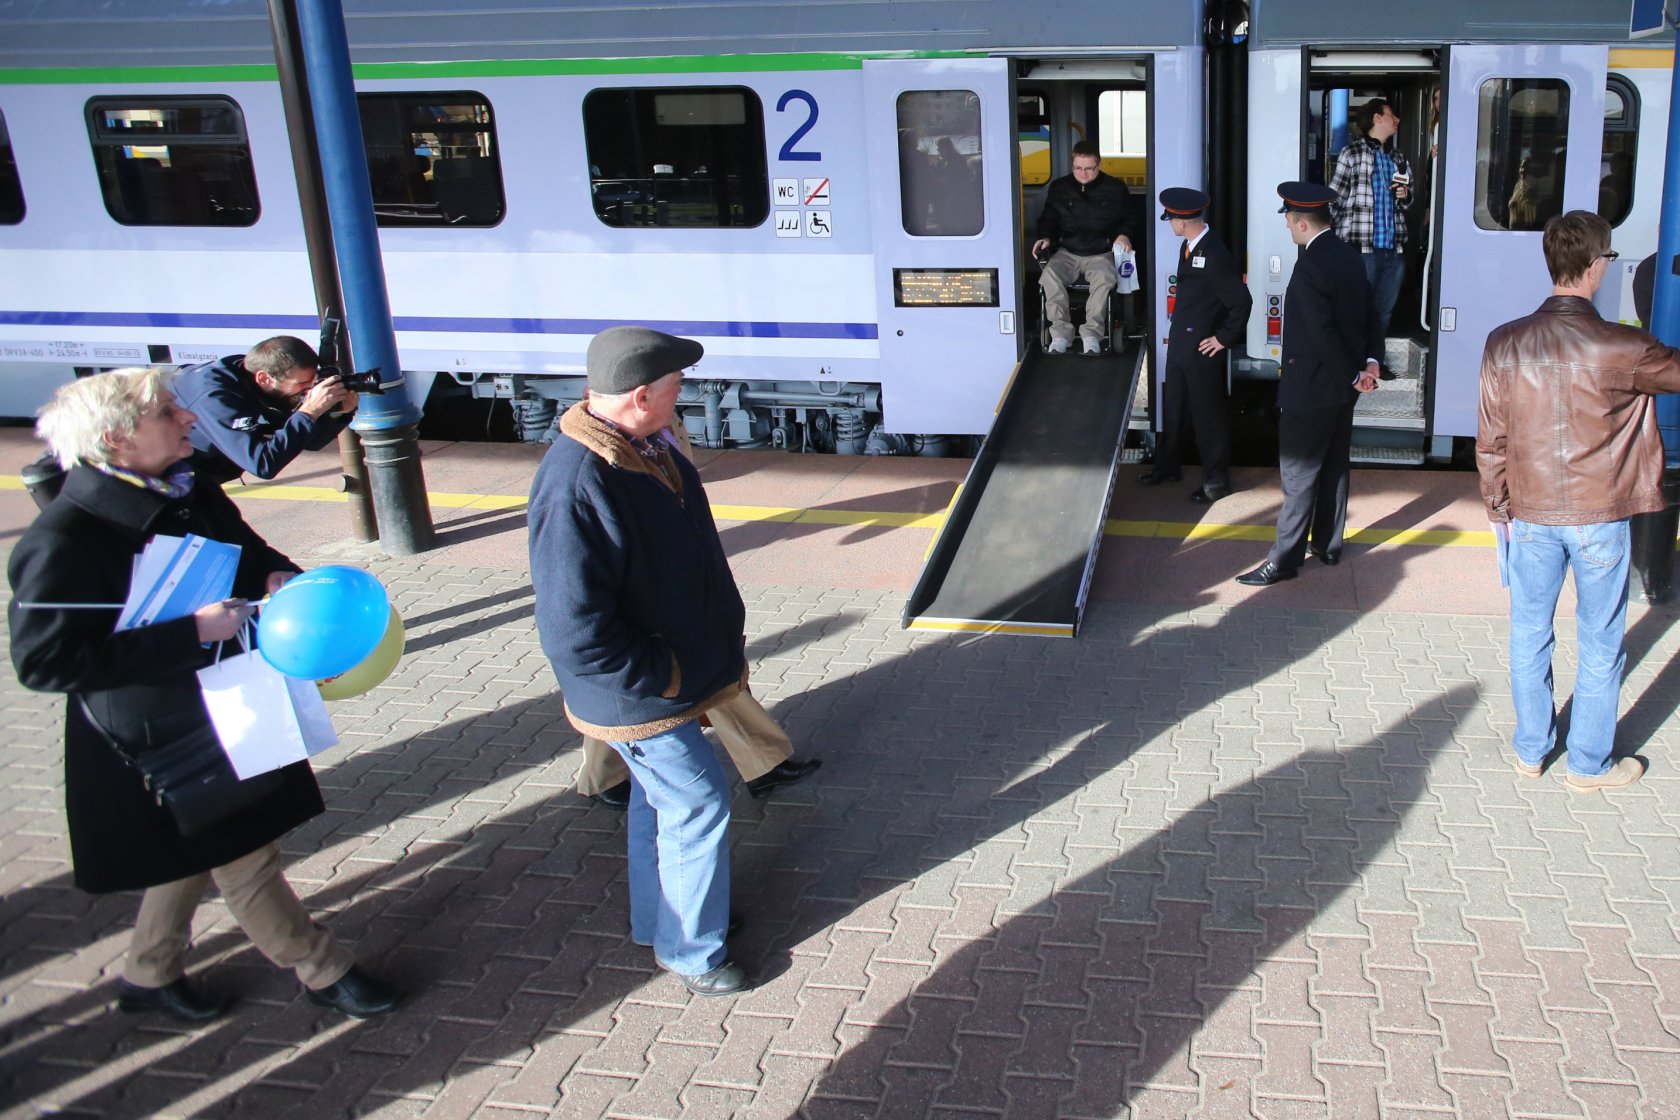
pixel 1568 449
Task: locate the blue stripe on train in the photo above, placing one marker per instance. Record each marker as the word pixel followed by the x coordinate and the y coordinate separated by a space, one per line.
pixel 461 324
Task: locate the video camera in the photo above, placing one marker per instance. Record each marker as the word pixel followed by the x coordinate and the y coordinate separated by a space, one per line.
pixel 331 355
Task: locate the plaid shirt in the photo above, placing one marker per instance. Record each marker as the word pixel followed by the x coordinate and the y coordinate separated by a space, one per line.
pixel 1356 210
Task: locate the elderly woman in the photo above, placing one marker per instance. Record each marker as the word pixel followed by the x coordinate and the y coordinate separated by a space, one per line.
pixel 122 439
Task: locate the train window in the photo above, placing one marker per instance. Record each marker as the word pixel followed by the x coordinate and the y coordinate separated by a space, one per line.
pixel 1032 133
pixel 432 159
pixel 1123 134
pixel 1522 138
pixel 173 161
pixel 11 188
pixel 690 157
pixel 940 163
pixel 1621 149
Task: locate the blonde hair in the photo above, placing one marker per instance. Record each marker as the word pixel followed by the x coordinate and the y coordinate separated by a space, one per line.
pixel 82 416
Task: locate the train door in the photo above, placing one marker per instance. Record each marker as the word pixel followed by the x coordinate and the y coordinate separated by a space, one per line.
pixel 1521 142
pixel 941 158
pixel 1343 87
pixel 1145 115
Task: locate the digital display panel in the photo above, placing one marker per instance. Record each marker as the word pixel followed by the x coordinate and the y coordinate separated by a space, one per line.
pixel 945 287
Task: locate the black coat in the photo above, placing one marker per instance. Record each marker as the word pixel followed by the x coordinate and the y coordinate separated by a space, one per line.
pixel 1330 327
pixel 1212 301
pixel 1085 220
pixel 140 684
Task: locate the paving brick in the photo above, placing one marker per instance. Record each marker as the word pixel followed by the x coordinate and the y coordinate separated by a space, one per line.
pixel 1211 862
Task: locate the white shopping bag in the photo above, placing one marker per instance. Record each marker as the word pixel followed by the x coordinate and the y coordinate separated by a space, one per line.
pixel 1125 268
pixel 264 720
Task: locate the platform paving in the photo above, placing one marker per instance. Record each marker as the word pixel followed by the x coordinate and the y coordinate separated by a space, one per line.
pixel 1221 856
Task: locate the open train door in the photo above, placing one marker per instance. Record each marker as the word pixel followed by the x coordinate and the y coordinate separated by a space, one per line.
pixel 1520 142
pixel 941 143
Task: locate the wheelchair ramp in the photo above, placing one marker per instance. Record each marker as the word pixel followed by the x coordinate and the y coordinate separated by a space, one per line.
pixel 1017 551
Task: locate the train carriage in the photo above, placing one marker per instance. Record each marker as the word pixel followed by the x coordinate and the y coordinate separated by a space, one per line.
pixel 835 198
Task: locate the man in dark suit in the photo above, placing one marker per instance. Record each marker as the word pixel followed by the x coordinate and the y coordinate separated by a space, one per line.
pixel 1210 313
pixel 1330 341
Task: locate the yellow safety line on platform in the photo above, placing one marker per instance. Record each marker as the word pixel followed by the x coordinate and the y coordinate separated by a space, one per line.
pixel 802 515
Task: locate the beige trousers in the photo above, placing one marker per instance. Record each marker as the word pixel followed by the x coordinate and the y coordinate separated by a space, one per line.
pixel 1063 269
pixel 755 741
pixel 260 900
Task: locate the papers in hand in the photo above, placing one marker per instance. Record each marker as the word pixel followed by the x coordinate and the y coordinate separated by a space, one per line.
pixel 1502 549
pixel 175 576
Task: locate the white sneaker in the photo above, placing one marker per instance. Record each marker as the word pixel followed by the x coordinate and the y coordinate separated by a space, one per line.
pixel 1058 346
pixel 1092 346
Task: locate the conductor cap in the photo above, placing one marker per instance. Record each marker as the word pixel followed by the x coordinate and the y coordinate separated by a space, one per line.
pixel 1304 196
pixel 1182 202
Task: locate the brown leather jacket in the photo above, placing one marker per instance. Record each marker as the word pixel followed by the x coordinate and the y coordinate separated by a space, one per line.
pixel 1568 429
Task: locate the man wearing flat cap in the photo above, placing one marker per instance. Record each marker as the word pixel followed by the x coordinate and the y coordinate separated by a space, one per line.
pixel 1209 316
pixel 1330 339
pixel 638 613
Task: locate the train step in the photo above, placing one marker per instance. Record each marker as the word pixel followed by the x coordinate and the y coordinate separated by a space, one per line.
pixel 1375 456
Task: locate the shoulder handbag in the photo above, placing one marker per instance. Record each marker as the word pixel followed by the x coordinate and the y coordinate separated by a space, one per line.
pixel 192 777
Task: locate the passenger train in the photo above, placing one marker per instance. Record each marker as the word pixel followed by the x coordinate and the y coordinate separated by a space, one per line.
pixel 836 198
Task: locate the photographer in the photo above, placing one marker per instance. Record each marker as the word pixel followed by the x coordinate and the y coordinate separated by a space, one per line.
pixel 258 412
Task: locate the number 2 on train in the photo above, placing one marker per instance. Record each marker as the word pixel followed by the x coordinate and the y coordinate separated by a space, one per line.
pixel 789 152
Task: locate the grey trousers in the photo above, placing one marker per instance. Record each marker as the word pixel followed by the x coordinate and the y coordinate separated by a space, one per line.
pixel 1313 448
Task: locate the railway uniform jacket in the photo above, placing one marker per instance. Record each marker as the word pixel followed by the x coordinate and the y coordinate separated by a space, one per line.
pixel 1212 301
pixel 1568 427
pixel 1085 219
pixel 1356 212
pixel 636 607
pixel 141 685
pixel 241 431
pixel 1329 327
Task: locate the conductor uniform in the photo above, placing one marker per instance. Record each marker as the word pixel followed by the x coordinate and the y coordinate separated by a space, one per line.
pixel 1330 334
pixel 1212 303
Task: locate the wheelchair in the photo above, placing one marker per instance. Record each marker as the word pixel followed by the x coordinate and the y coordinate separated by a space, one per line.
pixel 1079 292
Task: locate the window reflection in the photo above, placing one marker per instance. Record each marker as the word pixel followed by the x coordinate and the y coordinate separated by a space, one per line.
pixel 940 163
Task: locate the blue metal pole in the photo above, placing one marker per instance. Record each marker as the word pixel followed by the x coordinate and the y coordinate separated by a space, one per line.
pixel 1336 110
pixel 386 422
pixel 1665 300
pixel 1653 533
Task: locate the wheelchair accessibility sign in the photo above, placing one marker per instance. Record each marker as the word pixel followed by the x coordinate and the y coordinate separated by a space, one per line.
pixel 817 224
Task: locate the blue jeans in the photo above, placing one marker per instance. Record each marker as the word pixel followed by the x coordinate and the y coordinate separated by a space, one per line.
pixel 1384 270
pixel 1598 557
pixel 679 849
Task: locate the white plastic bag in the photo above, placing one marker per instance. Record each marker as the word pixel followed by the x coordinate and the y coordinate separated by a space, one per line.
pixel 263 719
pixel 1125 268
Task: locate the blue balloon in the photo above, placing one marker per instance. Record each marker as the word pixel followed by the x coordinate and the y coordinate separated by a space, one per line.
pixel 323 622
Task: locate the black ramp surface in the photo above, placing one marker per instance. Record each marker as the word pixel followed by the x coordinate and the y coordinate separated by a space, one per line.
pixel 1021 558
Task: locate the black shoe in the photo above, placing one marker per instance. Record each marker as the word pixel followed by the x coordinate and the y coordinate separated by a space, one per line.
pixel 1266 575
pixel 721 981
pixel 1328 559
pixel 785 774
pixel 177 999
pixel 358 995
pixel 1207 495
pixel 614 797
pixel 1156 477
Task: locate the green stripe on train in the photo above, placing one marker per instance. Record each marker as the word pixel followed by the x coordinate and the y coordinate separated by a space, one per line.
pixel 512 68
